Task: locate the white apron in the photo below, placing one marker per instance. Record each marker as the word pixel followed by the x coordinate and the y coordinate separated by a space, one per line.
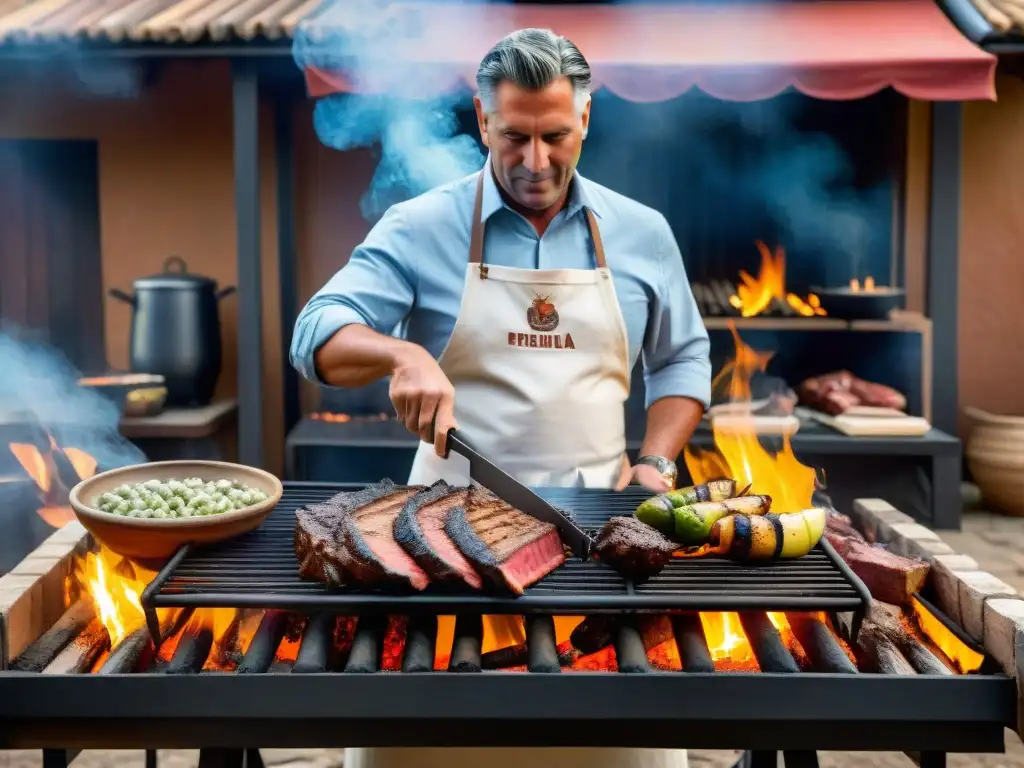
pixel 539 361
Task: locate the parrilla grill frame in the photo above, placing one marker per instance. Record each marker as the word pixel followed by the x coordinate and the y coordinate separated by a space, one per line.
pixel 671 710
pixel 260 570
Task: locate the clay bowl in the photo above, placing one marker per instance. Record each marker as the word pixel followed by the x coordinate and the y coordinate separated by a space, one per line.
pixel 152 542
pixel 995 456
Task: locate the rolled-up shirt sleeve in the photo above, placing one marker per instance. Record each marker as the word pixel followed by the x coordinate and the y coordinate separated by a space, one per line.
pixel 676 351
pixel 376 288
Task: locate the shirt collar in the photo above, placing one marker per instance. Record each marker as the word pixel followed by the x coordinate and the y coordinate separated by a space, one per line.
pixel 580 195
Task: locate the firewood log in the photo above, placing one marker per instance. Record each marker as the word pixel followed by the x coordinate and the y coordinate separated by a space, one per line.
pixel 45 649
pixel 697 289
pixel 723 290
pixel 594 633
pixel 879 653
pixel 889 620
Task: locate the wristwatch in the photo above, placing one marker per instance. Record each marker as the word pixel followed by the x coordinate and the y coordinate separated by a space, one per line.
pixel 666 467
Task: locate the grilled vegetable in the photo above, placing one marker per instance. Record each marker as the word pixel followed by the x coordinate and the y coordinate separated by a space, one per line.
pixel 713 490
pixel 657 512
pixel 692 523
pixel 768 537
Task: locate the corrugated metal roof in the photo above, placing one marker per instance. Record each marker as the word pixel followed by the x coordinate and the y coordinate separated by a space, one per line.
pixel 136 21
pixel 190 21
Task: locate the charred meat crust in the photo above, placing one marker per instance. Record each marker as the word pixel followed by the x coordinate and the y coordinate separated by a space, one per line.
pixel 357 556
pixel 633 548
pixel 314 539
pixel 411 537
pixel 491 533
pixel 457 526
pixel 331 548
pixel 316 535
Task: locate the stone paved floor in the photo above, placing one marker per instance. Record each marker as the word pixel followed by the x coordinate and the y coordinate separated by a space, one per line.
pixel 996 542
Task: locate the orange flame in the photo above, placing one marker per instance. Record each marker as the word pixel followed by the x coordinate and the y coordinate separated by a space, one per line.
pixel 755 295
pixel 740 454
pixel 869 285
pixel 83 464
pixel 730 650
pixel 965 659
pixel 741 369
pixel 32 461
pixel 41 468
pixel 115 588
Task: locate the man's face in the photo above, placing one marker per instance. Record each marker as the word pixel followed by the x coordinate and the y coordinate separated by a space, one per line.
pixel 535 138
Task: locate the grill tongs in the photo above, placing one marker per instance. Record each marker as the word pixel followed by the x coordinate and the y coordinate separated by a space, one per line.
pixel 511 491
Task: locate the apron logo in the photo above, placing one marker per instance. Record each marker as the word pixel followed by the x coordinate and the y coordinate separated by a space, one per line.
pixel 542 315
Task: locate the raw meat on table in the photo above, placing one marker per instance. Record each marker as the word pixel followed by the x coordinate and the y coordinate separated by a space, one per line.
pixel 838 392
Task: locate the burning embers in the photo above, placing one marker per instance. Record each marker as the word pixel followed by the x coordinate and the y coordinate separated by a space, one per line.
pixel 55 471
pixel 256 642
pixel 345 418
pixel 765 294
pixel 104 631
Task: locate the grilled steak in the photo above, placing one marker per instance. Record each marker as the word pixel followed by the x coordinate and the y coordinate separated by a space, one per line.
pixel 419 529
pixel 350 538
pixel 316 545
pixel 507 547
pixel 633 548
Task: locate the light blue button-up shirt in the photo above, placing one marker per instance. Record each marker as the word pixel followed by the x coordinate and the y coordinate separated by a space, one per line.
pixel 412 267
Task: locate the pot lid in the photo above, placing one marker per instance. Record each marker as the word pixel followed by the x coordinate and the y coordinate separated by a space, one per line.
pixel 175 275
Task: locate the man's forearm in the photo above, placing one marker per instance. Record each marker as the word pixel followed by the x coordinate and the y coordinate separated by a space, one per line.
pixel 356 356
pixel 670 424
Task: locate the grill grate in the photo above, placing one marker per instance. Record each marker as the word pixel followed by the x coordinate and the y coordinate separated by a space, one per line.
pixel 259 570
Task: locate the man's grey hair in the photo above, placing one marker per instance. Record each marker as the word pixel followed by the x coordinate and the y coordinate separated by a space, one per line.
pixel 533 59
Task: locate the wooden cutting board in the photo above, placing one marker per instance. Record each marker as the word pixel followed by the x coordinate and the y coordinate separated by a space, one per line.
pixel 890 424
pixel 762 425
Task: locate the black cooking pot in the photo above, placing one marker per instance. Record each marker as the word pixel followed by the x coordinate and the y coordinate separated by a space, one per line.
pixel 176 331
pixel 844 303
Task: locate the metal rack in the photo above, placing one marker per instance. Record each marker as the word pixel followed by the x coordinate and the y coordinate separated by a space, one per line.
pixel 260 570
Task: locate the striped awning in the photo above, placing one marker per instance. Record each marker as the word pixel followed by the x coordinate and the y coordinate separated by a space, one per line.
pixel 647 52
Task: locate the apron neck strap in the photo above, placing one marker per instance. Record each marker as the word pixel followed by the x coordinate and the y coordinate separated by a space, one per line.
pixel 476 238
pixel 595 235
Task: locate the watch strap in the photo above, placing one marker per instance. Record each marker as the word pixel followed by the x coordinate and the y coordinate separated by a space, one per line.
pixel 667 467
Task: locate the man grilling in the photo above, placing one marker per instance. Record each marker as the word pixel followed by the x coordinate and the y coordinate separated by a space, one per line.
pixel 527 293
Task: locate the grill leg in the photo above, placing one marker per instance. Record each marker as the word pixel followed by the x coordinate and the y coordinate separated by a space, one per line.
pixel 253 759
pixel 800 759
pixel 57 758
pixel 221 758
pixel 759 759
pixel 932 760
pixel 150 758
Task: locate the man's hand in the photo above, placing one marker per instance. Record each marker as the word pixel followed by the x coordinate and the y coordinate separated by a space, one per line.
pixel 423 397
pixel 642 474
